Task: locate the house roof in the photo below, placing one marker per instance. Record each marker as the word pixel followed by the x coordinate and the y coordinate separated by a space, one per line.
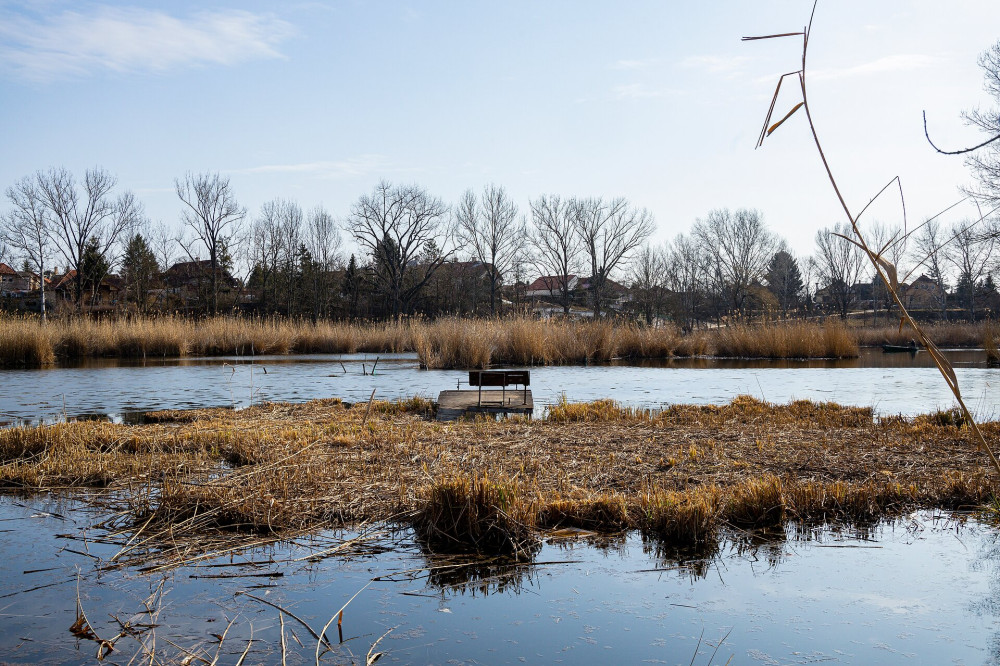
pixel 64 280
pixel 7 270
pixel 549 282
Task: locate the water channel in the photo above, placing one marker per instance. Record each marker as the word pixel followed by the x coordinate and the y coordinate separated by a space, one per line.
pixel 113 388
pixel 921 590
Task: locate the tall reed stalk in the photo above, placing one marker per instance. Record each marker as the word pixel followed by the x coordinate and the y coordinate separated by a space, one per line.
pixel 883 267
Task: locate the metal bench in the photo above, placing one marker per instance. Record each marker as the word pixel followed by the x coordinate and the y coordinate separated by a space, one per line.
pixel 503 379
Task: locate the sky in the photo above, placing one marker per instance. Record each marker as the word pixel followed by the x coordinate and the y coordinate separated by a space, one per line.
pixel 656 101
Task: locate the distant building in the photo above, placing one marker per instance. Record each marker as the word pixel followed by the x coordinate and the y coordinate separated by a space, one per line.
pixel 923 294
pixel 550 286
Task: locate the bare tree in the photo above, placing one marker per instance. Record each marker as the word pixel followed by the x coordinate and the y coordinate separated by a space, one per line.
pixel 324 243
pixel 738 247
pixel 214 216
pixel 609 230
pixel 930 247
pixel 647 281
pixel 685 277
pixel 556 243
pixel 970 252
pixel 163 242
pixel 27 228
pixel 489 227
pixel 839 263
pixel 323 239
pixel 397 224
pixel 985 162
pixel 91 217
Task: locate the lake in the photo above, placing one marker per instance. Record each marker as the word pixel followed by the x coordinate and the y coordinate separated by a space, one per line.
pixel 117 389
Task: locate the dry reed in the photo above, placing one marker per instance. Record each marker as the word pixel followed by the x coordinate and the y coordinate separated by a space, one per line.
pixel 444 343
pixel 681 475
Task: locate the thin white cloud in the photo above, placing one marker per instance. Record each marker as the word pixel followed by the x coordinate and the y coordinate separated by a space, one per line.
pixel 642 91
pixel 362 165
pixel 132 39
pixel 716 64
pixel 901 62
pixel 631 64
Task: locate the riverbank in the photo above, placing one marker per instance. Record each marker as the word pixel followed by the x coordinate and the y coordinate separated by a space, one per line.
pixel 679 476
pixel 444 343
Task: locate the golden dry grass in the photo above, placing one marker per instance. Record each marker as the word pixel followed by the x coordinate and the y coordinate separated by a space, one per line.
pixel 24 343
pixel 444 343
pixel 942 334
pixel 680 475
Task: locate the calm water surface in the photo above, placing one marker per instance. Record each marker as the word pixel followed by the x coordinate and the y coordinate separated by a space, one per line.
pixel 923 590
pixel 891 383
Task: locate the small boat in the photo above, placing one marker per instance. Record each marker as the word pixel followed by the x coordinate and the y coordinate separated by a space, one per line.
pixel 896 349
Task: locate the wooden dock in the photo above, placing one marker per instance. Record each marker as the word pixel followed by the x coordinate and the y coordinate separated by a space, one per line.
pixel 456 404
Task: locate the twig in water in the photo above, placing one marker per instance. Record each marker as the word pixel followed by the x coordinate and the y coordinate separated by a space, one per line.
pixel 289 614
pixel 281 620
pixel 339 616
pixel 247 650
pixel 372 658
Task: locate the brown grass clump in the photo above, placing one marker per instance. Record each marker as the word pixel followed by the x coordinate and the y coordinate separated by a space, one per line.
pixel 795 340
pixel 942 334
pixel 686 518
pixel 462 513
pixel 24 343
pixel 598 410
pixel 990 345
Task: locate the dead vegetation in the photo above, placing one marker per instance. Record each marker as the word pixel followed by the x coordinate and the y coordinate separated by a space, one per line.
pixel 444 343
pixel 679 475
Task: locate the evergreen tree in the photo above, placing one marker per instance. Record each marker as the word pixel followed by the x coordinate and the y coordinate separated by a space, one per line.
pixel 94 267
pixel 350 288
pixel 139 272
pixel 784 280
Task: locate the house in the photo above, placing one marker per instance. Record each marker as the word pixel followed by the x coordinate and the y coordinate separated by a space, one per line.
pixel 923 294
pixel 550 286
pixel 191 281
pixel 104 296
pixel 8 280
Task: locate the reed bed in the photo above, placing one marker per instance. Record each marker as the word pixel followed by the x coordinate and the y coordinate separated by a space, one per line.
pixel 683 475
pixel 444 343
pixel 23 343
pixel 942 334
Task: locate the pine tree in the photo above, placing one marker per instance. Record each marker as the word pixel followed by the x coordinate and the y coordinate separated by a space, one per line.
pixel 139 271
pixel 784 280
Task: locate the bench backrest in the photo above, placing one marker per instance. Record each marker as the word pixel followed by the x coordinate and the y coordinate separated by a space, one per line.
pixel 499 377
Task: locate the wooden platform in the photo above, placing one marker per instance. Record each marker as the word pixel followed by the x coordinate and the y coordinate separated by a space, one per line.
pixel 456 404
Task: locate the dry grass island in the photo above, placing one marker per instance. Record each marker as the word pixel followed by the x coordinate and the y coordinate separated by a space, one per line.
pixel 679 476
pixel 449 342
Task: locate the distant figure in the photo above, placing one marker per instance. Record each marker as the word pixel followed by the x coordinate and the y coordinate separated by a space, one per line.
pixel 913 344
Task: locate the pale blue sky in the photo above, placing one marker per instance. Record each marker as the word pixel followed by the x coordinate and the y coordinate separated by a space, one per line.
pixel 656 101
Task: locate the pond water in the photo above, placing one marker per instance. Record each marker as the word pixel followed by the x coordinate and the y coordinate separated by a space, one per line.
pixel 922 590
pixel 111 388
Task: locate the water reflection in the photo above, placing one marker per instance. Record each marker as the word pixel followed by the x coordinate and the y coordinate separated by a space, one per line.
pixel 922 590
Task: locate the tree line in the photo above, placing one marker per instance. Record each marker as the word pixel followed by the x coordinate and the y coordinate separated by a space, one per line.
pixel 421 256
